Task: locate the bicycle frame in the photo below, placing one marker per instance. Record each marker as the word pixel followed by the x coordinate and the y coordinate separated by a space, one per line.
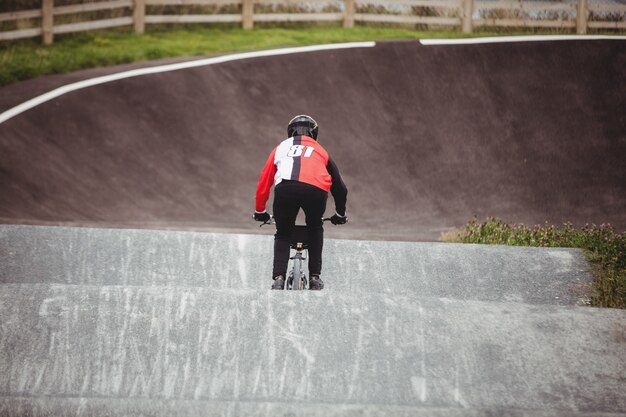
pixel 297 279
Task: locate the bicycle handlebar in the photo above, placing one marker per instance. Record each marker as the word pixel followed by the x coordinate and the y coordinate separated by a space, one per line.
pixel 272 221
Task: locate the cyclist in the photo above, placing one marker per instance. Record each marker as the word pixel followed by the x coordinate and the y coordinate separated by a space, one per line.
pixel 303 173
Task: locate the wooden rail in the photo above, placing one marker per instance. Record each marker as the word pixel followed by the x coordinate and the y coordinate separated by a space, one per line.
pixel 462 14
pixel 605 8
pixel 507 8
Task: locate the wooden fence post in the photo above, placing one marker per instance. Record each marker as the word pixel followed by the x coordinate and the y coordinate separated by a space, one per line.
pixel 581 17
pixel 348 14
pixel 247 12
pixel 47 21
pixel 468 11
pixel 139 16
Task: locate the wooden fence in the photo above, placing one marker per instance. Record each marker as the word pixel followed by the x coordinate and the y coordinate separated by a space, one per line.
pixel 462 14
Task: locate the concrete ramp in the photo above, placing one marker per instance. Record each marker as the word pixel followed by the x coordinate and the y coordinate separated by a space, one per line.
pixel 125 322
pixel 103 257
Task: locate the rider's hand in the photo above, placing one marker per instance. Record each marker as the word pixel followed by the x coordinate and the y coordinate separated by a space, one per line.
pixel 337 219
pixel 261 217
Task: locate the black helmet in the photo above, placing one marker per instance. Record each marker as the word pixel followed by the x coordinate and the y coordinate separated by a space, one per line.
pixel 302 125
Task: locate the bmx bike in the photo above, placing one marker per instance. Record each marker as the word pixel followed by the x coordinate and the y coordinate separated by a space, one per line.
pixel 296 278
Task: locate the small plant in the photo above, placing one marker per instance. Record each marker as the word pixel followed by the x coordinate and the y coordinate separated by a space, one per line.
pixel 605 249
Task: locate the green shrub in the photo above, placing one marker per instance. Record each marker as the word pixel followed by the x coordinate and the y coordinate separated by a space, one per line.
pixel 605 250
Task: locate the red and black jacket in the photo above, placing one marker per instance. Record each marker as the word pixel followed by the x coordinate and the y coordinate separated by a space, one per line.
pixel 302 159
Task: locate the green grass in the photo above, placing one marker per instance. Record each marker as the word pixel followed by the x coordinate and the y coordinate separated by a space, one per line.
pixel 25 59
pixel 605 250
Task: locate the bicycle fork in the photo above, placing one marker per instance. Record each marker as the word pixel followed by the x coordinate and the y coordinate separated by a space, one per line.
pixel 297 279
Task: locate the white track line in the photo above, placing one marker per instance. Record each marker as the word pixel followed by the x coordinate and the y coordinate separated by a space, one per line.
pixel 8 114
pixel 502 39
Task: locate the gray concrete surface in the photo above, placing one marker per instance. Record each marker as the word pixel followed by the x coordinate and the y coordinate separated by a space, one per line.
pixel 85 256
pixel 37 407
pixel 162 323
pixel 236 345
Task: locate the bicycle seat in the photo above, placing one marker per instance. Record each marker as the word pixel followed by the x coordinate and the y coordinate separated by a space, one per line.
pixel 299 235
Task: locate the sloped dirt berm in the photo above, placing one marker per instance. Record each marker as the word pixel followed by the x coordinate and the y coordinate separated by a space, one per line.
pixel 425 136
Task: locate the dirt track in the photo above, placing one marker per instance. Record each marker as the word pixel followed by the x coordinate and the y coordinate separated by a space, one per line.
pixel 425 136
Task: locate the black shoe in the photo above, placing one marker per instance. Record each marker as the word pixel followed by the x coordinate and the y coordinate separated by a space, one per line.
pixel 316 283
pixel 279 283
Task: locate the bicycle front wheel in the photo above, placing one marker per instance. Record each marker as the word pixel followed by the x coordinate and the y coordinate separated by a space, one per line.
pixel 297 274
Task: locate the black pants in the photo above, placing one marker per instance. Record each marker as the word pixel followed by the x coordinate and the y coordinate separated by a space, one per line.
pixel 289 198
